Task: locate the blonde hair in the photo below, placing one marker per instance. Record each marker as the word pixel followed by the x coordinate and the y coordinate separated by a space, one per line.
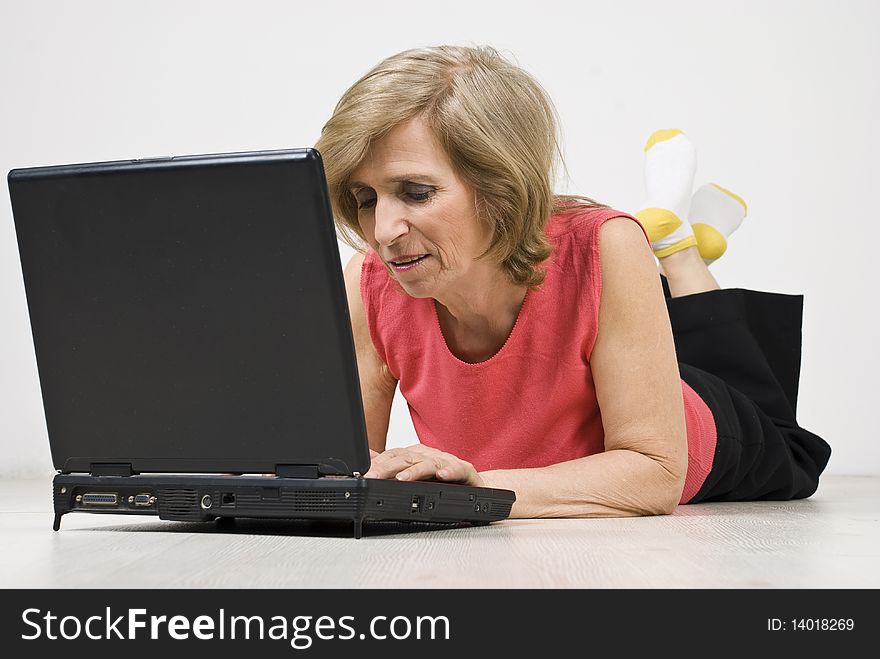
pixel 497 126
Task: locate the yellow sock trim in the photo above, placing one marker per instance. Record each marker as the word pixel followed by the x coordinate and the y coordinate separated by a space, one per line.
pixel 660 136
pixel 735 196
pixel 658 222
pixel 711 242
pixel 690 241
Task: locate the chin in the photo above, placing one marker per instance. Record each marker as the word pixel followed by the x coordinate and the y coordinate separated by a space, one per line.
pixel 417 289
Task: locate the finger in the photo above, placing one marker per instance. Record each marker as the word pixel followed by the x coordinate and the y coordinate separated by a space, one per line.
pixel 454 472
pixel 422 470
pixel 421 448
pixel 386 465
pixel 429 452
pixel 394 452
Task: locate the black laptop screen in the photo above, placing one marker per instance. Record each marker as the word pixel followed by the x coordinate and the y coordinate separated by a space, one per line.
pixel 189 315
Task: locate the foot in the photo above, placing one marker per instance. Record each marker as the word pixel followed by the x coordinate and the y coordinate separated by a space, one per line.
pixel 715 214
pixel 670 165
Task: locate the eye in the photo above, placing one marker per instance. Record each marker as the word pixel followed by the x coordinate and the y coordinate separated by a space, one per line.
pixel 419 193
pixel 415 193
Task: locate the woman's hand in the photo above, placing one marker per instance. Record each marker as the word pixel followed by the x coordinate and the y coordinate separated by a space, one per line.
pixel 421 463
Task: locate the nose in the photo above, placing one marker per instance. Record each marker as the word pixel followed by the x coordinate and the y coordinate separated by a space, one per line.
pixel 391 222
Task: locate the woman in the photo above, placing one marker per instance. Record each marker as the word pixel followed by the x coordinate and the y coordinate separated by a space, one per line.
pixel 528 331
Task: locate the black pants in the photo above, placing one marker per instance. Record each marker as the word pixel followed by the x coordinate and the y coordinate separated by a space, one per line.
pixel 740 350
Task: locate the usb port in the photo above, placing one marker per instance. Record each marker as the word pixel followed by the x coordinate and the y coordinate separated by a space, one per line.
pixel 416 504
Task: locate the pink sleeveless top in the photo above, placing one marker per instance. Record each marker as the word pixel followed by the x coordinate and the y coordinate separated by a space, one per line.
pixel 533 403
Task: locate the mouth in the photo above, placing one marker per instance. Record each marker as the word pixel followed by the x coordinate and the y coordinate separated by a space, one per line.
pixel 410 262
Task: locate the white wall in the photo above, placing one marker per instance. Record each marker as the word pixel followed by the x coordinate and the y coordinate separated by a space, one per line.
pixel 777 96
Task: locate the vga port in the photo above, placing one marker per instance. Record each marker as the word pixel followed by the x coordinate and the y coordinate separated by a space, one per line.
pixel 100 499
pixel 143 500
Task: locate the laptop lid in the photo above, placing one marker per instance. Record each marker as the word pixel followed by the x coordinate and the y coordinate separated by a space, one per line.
pixel 189 314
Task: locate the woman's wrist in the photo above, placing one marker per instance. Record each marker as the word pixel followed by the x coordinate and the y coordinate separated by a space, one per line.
pixel 489 479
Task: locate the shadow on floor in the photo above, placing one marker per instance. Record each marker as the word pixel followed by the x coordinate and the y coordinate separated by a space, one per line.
pixel 740 508
pixel 286 527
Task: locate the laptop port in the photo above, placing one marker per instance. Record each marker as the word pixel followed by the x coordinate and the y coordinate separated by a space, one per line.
pixel 228 499
pixel 143 500
pixel 99 499
pixel 416 504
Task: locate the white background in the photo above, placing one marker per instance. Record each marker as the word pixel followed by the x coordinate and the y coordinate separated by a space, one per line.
pixel 778 97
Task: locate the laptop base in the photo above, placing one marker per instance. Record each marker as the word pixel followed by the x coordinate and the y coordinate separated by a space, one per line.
pixel 200 498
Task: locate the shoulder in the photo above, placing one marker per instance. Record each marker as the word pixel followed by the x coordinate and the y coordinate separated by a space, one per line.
pixel 377 304
pixel 352 276
pixel 624 249
pixel 352 271
pixel 365 276
pixel 585 222
pixel 584 233
pixel 626 267
pixel 361 313
pixel 622 236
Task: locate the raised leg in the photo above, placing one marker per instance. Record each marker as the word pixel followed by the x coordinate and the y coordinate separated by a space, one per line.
pixel 687 274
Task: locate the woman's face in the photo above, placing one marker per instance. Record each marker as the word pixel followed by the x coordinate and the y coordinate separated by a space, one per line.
pixel 416 213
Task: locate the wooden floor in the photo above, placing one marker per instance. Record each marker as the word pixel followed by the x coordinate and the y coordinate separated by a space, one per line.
pixel 829 541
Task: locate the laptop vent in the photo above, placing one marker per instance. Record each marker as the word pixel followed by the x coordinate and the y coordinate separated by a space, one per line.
pixel 298 501
pixel 500 508
pixel 179 504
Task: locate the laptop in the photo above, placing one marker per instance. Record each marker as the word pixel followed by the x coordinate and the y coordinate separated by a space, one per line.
pixel 194 347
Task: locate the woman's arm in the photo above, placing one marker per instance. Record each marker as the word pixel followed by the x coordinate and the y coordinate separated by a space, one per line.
pixel 638 387
pixel 377 383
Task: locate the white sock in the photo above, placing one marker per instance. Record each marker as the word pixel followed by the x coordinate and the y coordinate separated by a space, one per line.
pixel 670 165
pixel 715 214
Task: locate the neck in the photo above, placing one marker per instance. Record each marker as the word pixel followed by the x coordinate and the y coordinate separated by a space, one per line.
pixel 477 317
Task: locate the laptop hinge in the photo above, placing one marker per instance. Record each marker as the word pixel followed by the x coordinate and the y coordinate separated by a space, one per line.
pixel 111 469
pixel 297 471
